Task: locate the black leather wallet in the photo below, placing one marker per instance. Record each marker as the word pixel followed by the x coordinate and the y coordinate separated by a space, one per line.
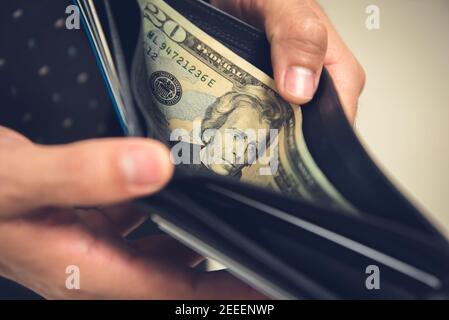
pixel 283 246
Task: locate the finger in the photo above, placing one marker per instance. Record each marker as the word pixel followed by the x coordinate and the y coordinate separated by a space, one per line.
pixel 346 72
pixel 298 46
pixel 302 38
pixel 157 280
pixel 320 46
pixel 298 40
pixel 84 173
pixel 108 269
pixel 349 79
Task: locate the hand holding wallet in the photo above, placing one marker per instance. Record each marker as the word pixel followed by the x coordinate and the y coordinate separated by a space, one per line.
pixel 285 244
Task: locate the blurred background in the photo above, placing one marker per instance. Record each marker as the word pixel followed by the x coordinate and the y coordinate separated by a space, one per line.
pixel 404 110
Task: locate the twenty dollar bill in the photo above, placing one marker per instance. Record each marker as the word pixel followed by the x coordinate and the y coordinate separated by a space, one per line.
pixel 223 114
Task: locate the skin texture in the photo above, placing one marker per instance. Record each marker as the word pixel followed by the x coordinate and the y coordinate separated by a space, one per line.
pixel 41 233
pixel 301 35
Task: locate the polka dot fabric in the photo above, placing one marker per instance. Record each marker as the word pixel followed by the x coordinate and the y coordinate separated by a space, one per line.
pixel 51 89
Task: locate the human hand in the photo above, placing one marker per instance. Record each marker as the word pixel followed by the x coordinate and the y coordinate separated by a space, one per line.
pixel 41 233
pixel 303 40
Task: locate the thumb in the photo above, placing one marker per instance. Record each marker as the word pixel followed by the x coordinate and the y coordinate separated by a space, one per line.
pixel 299 42
pixel 79 174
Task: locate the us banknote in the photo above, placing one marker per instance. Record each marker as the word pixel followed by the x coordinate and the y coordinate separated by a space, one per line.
pixel 224 114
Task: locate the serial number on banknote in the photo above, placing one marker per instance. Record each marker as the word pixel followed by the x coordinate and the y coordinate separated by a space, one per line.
pixel 157 47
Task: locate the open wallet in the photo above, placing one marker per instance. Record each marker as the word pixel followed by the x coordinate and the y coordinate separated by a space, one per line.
pixel 283 245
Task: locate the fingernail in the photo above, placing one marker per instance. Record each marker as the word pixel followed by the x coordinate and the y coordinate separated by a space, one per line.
pixel 300 82
pixel 143 166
